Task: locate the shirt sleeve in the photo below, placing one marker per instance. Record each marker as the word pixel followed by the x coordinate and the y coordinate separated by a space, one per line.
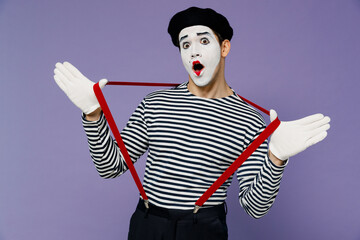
pixel 104 150
pixel 259 180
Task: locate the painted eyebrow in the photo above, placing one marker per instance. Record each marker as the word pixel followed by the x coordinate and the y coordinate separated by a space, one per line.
pixel 203 33
pixel 182 38
pixel 198 34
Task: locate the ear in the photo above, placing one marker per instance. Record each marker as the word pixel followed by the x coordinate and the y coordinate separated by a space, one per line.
pixel 225 48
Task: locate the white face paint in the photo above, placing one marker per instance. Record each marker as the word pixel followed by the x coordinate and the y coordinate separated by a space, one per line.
pixel 200 53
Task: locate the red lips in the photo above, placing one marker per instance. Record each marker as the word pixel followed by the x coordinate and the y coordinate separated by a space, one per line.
pixel 197 67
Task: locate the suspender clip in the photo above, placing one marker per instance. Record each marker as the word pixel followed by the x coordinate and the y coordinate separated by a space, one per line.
pixel 146 203
pixel 196 209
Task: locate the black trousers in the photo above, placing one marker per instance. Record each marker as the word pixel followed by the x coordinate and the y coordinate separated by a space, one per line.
pixel 165 224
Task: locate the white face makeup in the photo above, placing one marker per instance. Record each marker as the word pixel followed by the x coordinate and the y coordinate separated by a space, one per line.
pixel 200 53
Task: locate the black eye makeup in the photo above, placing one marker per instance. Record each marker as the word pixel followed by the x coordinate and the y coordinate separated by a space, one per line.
pixel 204 41
pixel 186 45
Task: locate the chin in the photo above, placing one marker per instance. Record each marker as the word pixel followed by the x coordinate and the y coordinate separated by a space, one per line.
pixel 204 79
pixel 201 83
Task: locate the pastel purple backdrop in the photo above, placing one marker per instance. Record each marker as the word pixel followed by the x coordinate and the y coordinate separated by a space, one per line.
pixel 299 57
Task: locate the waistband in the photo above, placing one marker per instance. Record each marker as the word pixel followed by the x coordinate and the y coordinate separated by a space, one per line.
pixel 174 214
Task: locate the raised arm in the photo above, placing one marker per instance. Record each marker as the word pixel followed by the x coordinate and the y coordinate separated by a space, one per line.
pixel 259 180
pixel 104 151
pixel 260 175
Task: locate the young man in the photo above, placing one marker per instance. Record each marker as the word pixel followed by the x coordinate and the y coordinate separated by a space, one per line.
pixel 193 133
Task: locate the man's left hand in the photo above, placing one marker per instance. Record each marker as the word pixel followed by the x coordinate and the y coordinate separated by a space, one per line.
pixel 293 137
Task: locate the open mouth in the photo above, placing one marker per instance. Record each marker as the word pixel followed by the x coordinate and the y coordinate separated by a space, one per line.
pixel 197 67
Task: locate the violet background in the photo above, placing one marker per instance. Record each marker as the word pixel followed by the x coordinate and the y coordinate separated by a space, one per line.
pixel 299 57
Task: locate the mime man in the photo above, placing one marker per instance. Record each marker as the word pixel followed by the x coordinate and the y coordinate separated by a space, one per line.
pixel 192 133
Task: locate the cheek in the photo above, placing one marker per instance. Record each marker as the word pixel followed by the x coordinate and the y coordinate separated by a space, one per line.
pixel 213 55
pixel 183 55
pixel 185 59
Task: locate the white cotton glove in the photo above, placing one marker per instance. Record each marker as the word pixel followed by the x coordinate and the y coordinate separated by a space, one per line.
pixel 293 137
pixel 77 87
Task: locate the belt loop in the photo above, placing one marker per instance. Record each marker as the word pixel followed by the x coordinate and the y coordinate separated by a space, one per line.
pixel 146 213
pixel 195 218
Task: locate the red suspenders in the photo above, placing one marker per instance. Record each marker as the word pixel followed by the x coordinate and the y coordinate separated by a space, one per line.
pixel 228 172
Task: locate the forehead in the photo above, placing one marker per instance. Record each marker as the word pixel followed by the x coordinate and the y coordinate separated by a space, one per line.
pixel 193 30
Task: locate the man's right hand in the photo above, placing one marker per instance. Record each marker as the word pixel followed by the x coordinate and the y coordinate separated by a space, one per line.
pixel 77 87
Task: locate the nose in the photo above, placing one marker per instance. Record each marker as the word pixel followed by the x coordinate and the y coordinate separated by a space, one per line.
pixel 195 51
pixel 194 55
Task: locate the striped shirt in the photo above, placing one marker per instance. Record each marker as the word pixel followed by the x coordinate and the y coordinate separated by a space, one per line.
pixel 191 141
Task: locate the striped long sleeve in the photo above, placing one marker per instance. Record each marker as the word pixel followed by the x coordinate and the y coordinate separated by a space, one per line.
pixel 259 181
pixel 105 152
pixel 190 141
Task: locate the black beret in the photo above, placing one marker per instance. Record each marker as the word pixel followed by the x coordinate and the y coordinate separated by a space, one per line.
pixel 199 16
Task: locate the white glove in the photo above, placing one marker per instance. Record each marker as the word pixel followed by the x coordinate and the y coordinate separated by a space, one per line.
pixel 77 87
pixel 293 137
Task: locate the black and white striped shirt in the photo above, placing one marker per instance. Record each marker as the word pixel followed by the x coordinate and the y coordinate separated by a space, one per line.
pixel 191 141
